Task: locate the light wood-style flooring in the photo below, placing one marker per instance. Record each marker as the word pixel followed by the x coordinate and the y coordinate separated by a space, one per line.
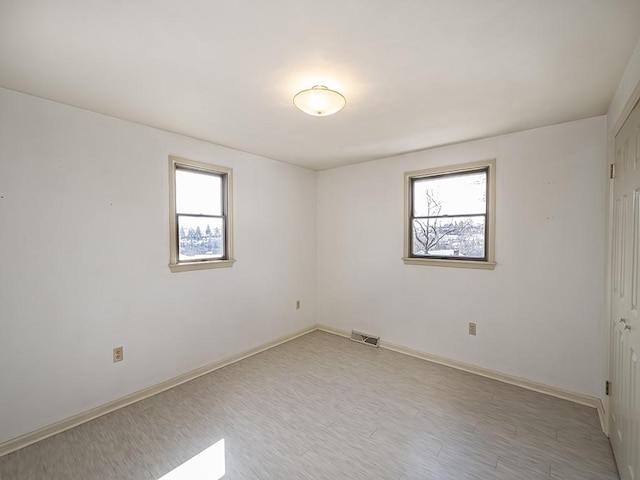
pixel 322 407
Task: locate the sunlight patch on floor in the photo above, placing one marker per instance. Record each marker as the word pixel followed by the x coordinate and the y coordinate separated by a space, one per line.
pixel 207 465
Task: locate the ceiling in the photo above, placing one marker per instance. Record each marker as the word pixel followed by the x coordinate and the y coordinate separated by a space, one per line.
pixel 416 73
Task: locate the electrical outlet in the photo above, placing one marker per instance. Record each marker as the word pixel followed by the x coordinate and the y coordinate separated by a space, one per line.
pixel 118 354
pixel 472 329
pixel 297 304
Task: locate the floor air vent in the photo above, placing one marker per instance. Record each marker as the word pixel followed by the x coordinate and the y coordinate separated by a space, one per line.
pixel 364 338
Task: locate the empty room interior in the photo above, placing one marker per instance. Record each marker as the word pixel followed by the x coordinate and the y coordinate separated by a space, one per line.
pixel 338 240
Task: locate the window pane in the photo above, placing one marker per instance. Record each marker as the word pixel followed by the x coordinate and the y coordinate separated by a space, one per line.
pixel 454 194
pixel 449 237
pixel 198 193
pixel 200 238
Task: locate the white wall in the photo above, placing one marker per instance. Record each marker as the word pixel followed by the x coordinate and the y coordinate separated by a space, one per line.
pixel 84 253
pixel 627 90
pixel 539 312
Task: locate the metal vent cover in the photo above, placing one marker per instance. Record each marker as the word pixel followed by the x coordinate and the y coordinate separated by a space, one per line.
pixel 365 338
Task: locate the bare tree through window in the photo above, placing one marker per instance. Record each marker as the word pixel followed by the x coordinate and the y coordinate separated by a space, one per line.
pixel 449 215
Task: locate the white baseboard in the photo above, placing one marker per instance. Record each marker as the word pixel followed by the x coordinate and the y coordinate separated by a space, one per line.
pixel 484 372
pixel 75 420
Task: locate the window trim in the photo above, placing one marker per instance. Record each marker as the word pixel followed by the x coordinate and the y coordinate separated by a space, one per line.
pixel 227 205
pixel 485 264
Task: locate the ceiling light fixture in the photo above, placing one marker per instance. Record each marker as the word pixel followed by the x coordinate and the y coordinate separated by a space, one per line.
pixel 319 101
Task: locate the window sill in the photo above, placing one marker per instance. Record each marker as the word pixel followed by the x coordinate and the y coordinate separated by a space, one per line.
pixel 440 262
pixel 186 267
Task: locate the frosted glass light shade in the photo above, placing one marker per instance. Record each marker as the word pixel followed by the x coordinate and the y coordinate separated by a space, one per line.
pixel 319 101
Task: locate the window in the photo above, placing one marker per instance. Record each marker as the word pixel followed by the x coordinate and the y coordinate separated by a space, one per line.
pixel 200 215
pixel 449 219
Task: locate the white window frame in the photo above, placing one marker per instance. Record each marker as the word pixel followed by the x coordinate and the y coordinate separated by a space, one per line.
pixel 485 264
pixel 227 184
